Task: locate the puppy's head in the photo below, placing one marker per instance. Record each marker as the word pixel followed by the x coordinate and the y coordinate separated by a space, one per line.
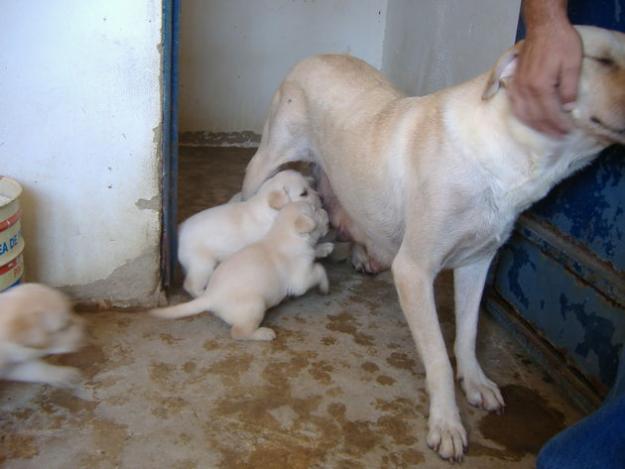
pixel 293 185
pixel 305 220
pixel 39 318
pixel 600 106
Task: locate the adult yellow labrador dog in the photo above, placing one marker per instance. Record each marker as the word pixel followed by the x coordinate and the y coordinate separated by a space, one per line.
pixel 436 182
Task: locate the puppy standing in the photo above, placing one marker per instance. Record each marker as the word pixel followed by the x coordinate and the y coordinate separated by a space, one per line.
pixel 212 235
pixel 36 321
pixel 261 275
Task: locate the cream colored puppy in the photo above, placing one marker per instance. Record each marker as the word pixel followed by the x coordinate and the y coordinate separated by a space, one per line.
pixel 36 321
pixel 213 234
pixel 261 275
pixel 436 182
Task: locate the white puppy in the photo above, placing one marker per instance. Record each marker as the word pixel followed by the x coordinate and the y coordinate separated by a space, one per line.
pixel 261 275
pixel 212 235
pixel 36 321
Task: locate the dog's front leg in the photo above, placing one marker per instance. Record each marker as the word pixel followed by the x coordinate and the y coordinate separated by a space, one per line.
pixel 468 286
pixel 41 372
pixel 414 283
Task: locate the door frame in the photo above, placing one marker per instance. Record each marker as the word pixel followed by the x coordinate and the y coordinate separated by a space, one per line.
pixel 169 141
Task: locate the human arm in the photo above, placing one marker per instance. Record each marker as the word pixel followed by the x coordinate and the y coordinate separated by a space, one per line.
pixel 545 82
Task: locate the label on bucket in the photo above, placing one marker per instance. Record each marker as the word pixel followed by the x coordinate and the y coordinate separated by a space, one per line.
pixel 11 273
pixel 11 243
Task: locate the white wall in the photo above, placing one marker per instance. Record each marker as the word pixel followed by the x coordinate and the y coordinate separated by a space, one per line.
pixel 234 53
pixel 80 110
pixel 431 44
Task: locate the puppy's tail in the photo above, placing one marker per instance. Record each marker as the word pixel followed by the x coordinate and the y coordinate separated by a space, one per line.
pixel 196 306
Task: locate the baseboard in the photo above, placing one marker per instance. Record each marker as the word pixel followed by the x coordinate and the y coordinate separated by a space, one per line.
pixel 244 139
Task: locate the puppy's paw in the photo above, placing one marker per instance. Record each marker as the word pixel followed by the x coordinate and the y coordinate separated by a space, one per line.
pixel 63 377
pixel 263 333
pixel 323 250
pixel 447 436
pixel 324 286
pixel 482 392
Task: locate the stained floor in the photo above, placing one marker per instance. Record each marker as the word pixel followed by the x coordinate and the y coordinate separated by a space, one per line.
pixel 341 387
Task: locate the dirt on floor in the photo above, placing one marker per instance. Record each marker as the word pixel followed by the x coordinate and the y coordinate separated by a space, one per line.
pixel 340 387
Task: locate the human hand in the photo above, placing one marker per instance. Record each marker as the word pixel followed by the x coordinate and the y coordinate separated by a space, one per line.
pixel 544 85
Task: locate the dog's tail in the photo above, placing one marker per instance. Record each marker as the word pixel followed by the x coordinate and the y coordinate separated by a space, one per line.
pixel 196 306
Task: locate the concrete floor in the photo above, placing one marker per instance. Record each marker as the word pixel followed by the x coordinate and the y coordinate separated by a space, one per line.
pixel 341 386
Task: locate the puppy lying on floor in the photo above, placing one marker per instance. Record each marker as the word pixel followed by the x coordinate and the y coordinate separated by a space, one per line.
pixel 261 275
pixel 212 235
pixel 36 321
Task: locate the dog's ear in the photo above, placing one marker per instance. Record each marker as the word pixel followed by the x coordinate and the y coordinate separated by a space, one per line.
pixel 502 72
pixel 277 199
pixel 28 330
pixel 304 224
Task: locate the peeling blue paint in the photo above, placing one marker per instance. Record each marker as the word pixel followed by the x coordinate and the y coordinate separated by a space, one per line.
pixel 520 260
pixel 589 207
pixel 587 326
pixel 598 336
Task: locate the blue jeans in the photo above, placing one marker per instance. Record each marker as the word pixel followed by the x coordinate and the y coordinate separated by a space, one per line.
pixel 595 442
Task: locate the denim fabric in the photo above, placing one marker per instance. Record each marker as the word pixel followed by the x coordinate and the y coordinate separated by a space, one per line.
pixel 595 442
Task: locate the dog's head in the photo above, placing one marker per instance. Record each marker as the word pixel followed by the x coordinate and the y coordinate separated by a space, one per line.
pixel 600 106
pixel 291 186
pixel 304 219
pixel 39 319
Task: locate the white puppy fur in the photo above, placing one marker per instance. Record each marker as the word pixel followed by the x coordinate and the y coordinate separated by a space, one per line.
pixel 436 182
pixel 212 235
pixel 261 275
pixel 36 321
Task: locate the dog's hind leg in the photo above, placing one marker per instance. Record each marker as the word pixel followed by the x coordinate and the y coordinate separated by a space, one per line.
pixel 198 274
pixel 468 285
pixel 284 138
pixel 246 325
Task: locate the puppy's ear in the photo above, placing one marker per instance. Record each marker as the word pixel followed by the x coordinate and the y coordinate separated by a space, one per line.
pixel 502 72
pixel 304 224
pixel 29 331
pixel 277 199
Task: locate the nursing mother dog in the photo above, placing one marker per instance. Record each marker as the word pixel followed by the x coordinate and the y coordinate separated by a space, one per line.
pixel 436 182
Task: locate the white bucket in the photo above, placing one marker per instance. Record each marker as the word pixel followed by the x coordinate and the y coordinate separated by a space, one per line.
pixel 11 241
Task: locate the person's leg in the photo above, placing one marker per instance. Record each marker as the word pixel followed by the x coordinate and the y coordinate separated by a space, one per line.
pixel 595 442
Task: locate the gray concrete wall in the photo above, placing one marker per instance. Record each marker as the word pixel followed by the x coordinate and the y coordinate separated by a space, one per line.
pixel 431 44
pixel 235 53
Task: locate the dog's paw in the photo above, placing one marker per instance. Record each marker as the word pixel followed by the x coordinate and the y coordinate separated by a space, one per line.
pixel 447 437
pixel 323 250
pixel 324 286
pixel 63 377
pixel 263 333
pixel 364 263
pixel 482 392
